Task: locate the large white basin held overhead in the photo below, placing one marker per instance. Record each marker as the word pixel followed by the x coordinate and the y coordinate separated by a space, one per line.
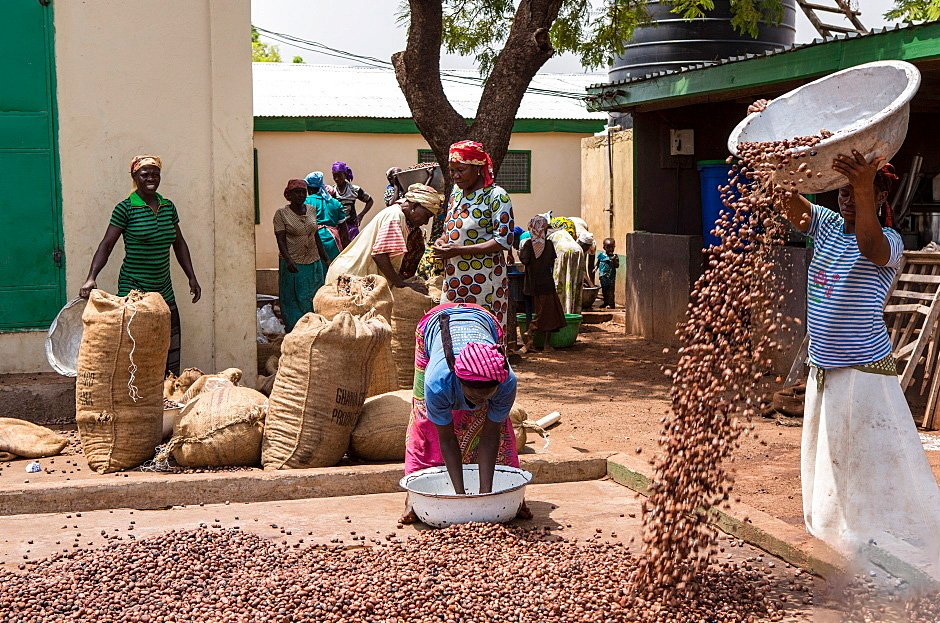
pixel 865 107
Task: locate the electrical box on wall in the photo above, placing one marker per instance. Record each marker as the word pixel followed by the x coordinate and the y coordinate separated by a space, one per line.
pixel 681 142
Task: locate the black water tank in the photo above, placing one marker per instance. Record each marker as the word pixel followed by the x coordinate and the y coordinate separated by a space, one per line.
pixel 670 42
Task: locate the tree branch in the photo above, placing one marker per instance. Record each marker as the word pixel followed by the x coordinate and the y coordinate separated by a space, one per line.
pixel 418 69
pixel 527 48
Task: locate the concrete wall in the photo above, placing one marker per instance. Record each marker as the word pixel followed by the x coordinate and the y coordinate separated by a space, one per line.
pixel 174 81
pixel 556 164
pixel 595 193
pixel 661 270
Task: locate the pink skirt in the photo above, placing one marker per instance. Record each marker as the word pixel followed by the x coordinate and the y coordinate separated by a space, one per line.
pixel 422 448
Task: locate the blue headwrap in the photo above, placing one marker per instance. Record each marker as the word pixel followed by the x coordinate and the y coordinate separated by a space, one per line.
pixel 315 183
pixel 314 180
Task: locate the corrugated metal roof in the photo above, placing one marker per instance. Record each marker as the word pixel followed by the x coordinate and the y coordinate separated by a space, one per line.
pixel 747 57
pixel 289 90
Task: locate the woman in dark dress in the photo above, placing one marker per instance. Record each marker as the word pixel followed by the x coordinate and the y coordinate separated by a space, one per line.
pixel 538 256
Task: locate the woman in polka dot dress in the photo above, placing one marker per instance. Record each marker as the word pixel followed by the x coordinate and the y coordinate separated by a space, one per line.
pixel 477 233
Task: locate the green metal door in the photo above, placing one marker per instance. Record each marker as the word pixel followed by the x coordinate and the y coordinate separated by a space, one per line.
pixel 31 261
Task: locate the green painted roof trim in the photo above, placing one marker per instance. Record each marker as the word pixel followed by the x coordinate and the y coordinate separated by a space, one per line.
pixel 914 43
pixel 369 125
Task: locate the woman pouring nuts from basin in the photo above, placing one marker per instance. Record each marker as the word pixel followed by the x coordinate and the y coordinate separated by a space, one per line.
pixel 865 477
pixel 464 389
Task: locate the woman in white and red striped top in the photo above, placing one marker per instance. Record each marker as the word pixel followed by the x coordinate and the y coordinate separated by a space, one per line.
pixel 382 244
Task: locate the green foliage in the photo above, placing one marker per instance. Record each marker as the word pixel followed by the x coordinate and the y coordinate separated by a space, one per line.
pixel 298 60
pixel 746 15
pixel 593 30
pixel 914 10
pixel 263 52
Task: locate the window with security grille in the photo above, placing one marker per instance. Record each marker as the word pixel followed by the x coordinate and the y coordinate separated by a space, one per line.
pixel 515 174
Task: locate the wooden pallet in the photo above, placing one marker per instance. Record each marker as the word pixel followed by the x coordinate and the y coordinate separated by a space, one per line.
pixel 912 312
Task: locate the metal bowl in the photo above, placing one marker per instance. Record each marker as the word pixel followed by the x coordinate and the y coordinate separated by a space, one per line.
pixel 588 296
pixel 65 338
pixel 430 175
pixel 865 107
pixel 435 503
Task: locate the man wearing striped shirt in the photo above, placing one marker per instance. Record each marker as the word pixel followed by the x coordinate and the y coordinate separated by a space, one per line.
pixel 865 478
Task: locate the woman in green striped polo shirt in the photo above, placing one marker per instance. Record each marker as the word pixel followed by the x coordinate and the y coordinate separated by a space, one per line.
pixel 150 226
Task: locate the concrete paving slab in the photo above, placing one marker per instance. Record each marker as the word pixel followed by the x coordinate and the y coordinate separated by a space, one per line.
pixel 44 492
pixel 785 541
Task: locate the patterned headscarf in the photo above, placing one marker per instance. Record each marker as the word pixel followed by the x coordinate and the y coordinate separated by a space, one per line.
pixel 342 166
pixel 567 224
pixel 294 185
pixel 471 152
pixel 481 362
pixel 426 197
pixel 392 172
pixel 538 230
pixel 145 161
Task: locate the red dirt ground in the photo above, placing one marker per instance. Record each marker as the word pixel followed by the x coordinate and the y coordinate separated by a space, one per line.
pixel 611 393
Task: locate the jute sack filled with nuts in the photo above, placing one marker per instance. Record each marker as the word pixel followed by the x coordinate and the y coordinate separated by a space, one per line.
pixel 27 440
pixel 359 295
pixel 219 428
pixel 119 389
pixel 229 377
pixel 175 386
pixel 410 307
pixel 320 387
pixel 383 422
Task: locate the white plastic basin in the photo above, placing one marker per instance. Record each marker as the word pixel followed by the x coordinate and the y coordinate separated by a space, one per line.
pixel 865 107
pixel 65 337
pixel 435 503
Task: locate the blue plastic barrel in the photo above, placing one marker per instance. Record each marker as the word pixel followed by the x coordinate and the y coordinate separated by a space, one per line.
pixel 712 174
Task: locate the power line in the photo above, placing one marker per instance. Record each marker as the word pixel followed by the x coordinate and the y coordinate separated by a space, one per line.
pixel 377 63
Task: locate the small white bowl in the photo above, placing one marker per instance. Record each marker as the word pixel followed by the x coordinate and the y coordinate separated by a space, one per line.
pixel 435 503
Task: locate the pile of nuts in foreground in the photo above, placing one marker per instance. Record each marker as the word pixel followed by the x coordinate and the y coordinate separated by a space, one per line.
pixel 473 572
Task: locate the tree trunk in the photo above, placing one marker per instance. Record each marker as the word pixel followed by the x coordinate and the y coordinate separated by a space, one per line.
pixel 418 70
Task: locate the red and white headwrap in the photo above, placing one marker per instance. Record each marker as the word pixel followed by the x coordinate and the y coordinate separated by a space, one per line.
pixel 481 362
pixel 471 152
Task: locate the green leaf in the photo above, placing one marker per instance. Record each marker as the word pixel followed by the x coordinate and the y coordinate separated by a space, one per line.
pixel 914 10
pixel 263 52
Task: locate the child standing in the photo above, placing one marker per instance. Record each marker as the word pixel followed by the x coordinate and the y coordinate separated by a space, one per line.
pixel 608 263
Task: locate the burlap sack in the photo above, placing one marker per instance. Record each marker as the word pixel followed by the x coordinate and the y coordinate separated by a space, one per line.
pixel 266 351
pixel 219 428
pixel 230 377
pixel 359 295
pixel 119 389
pixel 27 440
pixel 319 388
pixel 383 422
pixel 410 307
pixel 518 415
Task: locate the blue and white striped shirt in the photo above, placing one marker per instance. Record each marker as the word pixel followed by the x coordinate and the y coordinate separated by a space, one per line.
pixel 845 295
